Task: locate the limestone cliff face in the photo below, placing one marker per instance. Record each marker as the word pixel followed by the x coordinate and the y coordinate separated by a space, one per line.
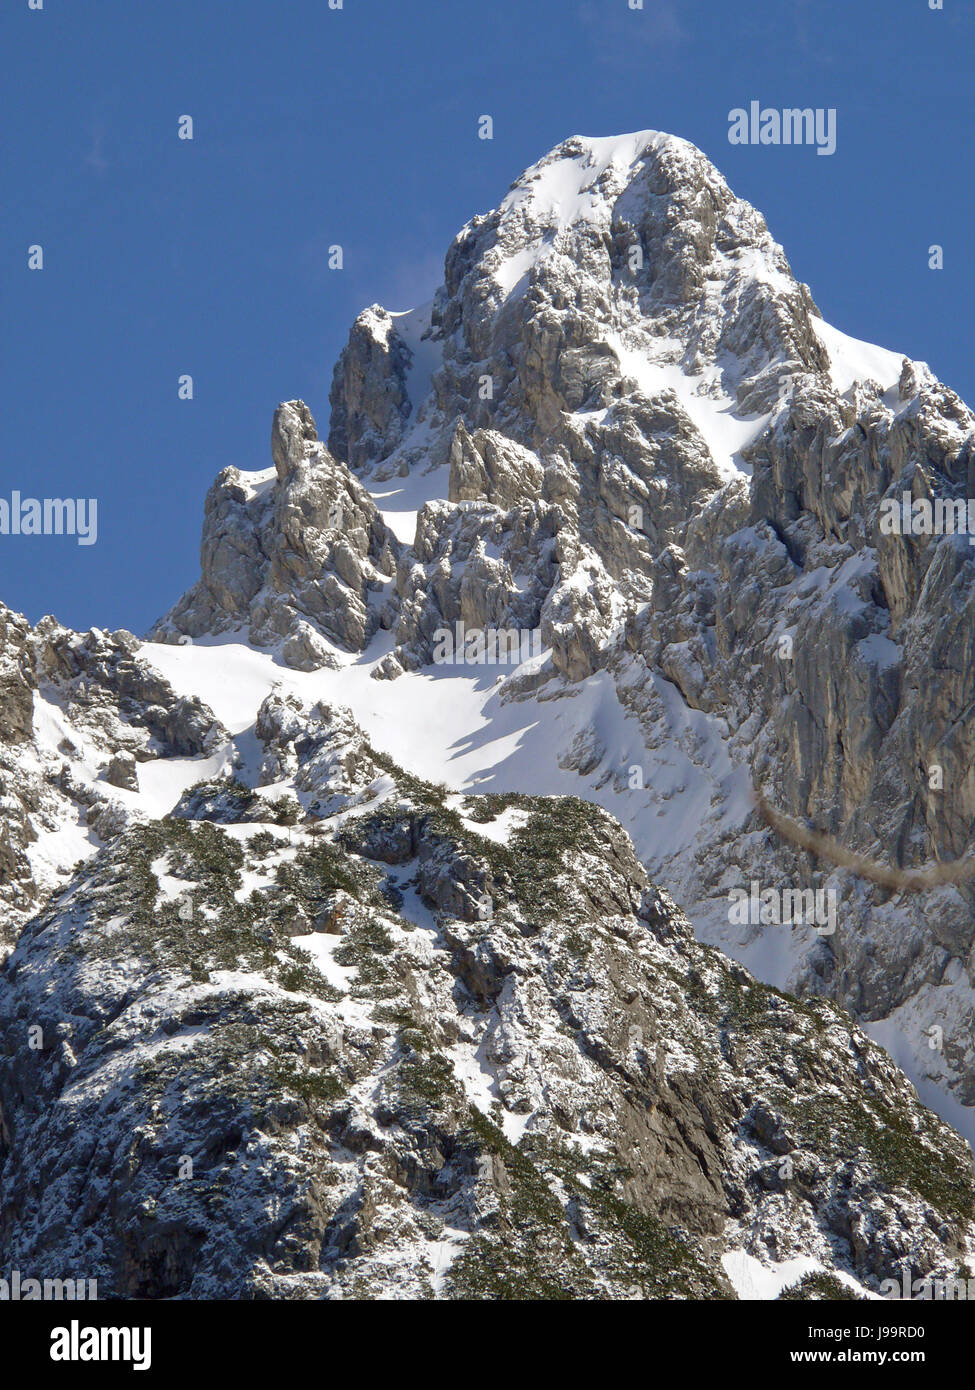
pixel 602 346
pixel 862 722
pixel 614 275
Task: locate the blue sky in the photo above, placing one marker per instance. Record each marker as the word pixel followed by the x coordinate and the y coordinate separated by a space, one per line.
pixel 359 126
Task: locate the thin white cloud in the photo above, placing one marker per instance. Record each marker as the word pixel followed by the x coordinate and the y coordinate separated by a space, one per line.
pixel 620 35
pixel 95 158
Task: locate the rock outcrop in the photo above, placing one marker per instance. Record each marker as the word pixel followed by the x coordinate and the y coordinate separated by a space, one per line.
pixel 294 558
pixel 78 714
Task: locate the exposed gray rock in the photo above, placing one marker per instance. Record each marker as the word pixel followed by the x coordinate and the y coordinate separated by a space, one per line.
pixel 16 679
pixel 121 772
pixel 101 680
pixel 71 704
pixel 293 559
pixel 370 395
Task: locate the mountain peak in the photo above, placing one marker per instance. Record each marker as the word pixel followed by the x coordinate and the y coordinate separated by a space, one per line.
pixel 355 904
pixel 613 267
pixel 570 174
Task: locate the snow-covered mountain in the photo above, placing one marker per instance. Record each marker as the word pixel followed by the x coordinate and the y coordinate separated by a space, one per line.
pixel 622 451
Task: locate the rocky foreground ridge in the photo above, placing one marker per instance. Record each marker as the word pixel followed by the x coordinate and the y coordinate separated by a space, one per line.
pixel 429 1045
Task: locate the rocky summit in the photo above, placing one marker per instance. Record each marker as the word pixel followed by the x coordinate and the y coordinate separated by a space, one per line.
pixel 375 926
